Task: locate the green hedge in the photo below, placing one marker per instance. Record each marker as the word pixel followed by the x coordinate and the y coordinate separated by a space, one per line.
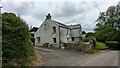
pixel 113 44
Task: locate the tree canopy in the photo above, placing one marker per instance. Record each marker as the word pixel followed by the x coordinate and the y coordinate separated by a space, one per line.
pixel 109 18
pixel 108 25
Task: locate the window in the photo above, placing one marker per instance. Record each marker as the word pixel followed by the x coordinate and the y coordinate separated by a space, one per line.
pixel 38 39
pixel 54 40
pixel 72 38
pixel 54 29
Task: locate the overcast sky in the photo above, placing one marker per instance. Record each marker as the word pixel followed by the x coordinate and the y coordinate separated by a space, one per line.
pixel 67 12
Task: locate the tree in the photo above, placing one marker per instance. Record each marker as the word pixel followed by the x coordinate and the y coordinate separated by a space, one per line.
pixel 83 32
pixel 16 45
pixel 108 34
pixel 34 29
pixel 108 25
pixel 109 18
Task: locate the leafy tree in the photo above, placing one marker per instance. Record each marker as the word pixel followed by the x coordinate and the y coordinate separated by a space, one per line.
pixel 108 34
pixel 108 25
pixel 16 45
pixel 34 29
pixel 109 18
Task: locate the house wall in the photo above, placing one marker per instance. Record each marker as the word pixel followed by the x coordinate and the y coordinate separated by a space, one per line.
pixel 76 33
pixel 45 32
pixel 64 35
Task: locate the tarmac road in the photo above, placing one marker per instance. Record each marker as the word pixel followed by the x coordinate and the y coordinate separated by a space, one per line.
pixel 57 57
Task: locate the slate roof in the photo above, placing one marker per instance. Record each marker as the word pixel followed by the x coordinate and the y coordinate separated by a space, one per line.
pixel 76 26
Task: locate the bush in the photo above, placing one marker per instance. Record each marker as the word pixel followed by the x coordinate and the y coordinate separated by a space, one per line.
pixel 89 34
pixel 113 44
pixel 32 39
pixel 90 38
pixel 100 46
pixel 86 40
pixel 108 34
pixel 17 49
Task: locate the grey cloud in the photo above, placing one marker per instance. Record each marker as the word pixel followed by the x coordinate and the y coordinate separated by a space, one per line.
pixel 69 9
pixel 83 13
pixel 24 8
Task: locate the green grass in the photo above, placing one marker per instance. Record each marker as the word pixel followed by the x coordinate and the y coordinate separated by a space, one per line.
pixel 100 46
pixel 93 51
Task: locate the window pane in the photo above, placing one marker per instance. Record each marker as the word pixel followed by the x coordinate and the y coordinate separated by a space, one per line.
pixel 72 38
pixel 54 40
pixel 38 39
pixel 54 29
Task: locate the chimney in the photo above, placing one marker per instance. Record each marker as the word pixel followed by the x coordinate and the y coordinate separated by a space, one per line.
pixel 48 16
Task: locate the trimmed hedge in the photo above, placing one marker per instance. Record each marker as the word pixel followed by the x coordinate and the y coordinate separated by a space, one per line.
pixel 113 44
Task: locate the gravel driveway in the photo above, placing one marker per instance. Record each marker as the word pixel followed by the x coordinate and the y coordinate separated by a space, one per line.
pixel 59 57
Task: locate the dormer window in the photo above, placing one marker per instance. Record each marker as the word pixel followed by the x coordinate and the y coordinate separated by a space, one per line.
pixel 54 29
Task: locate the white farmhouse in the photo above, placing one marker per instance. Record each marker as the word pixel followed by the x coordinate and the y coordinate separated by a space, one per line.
pixel 54 33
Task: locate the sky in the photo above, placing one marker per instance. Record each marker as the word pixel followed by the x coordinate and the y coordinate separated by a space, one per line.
pixel 83 12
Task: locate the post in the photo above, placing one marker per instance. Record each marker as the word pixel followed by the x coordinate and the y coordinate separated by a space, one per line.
pixel 0 37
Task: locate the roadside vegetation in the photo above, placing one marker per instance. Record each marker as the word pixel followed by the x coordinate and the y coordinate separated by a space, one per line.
pixel 17 48
pixel 107 29
pixel 101 46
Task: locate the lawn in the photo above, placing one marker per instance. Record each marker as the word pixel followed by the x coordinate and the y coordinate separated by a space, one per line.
pixel 100 46
pixel 93 51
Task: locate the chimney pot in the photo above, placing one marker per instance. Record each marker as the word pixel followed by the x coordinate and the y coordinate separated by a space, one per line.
pixel 48 16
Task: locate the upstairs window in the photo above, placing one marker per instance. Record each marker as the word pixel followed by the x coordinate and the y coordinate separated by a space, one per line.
pixel 54 29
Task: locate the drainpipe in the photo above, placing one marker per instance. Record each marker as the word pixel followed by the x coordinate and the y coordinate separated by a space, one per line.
pixel 59 35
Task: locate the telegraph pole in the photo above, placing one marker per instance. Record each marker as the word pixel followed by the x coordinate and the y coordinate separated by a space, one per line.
pixel 0 37
pixel 97 7
pixel 0 14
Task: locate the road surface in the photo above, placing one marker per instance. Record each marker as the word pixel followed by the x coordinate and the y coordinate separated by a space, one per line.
pixel 74 58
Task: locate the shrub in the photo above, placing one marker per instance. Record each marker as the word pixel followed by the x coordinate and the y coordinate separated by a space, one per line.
pixel 17 49
pixel 108 34
pixel 86 39
pixel 100 45
pixel 90 38
pixel 32 39
pixel 113 44
pixel 89 34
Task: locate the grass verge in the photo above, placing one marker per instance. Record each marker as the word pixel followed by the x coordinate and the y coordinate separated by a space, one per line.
pixel 93 51
pixel 101 46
